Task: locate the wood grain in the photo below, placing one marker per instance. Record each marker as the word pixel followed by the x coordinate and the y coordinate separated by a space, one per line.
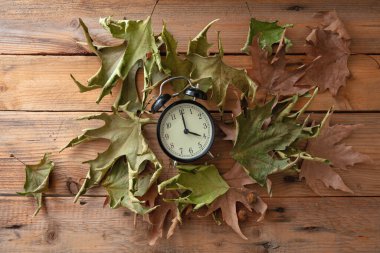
pixel 30 27
pixel 291 225
pixel 44 83
pixel 30 134
pixel 39 104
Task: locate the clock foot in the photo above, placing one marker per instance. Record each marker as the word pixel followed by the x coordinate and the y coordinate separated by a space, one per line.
pixel 210 154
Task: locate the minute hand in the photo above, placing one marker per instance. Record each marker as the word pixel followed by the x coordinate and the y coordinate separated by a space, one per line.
pixel 184 123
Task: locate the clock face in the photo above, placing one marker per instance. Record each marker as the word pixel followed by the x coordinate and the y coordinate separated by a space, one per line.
pixel 185 131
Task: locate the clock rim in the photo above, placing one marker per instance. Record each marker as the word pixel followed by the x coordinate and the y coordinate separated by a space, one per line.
pixel 185 101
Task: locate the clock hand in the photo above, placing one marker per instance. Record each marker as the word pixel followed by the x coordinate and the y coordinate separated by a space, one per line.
pixel 193 133
pixel 186 131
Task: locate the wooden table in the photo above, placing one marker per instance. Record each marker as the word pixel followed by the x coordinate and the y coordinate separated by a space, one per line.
pixel 39 104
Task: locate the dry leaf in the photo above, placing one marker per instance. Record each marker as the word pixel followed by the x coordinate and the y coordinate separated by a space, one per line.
pixel 269 33
pixel 117 184
pixel 229 130
pixel 37 179
pixel 158 216
pixel 117 62
pixel 328 145
pixel 272 76
pixel 198 184
pixel 126 179
pixel 236 178
pixel 150 196
pixel 199 44
pixel 331 43
pixel 173 62
pixel 220 76
pixel 331 22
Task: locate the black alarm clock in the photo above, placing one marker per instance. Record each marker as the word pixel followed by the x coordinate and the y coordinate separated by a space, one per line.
pixel 185 129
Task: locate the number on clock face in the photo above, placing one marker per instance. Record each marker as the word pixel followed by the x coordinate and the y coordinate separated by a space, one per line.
pixel 186 131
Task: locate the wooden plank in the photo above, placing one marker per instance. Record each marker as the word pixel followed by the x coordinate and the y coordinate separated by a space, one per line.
pixel 29 27
pixel 29 134
pixel 43 83
pixel 291 225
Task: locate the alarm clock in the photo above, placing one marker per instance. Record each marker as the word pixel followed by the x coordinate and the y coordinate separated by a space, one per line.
pixel 185 128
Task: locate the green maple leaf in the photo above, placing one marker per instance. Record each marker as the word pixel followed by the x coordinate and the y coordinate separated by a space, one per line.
pixel 199 45
pixel 126 140
pixel 128 97
pixel 174 63
pixel 253 144
pixel 116 183
pixel 154 73
pixel 37 180
pixel 139 47
pixel 269 34
pixel 220 76
pixel 263 148
pixel 199 185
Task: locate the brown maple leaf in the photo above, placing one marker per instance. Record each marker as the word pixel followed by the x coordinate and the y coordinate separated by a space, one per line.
pixel 236 108
pixel 272 74
pixel 328 145
pixel 330 42
pixel 331 22
pixel 158 216
pixel 150 196
pixel 228 129
pixel 237 178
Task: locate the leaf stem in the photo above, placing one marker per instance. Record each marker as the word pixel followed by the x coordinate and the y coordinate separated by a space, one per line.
pixel 13 156
pixel 249 10
pixel 154 7
pixel 306 156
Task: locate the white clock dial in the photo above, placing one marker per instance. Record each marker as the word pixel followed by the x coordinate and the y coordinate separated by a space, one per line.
pixel 185 131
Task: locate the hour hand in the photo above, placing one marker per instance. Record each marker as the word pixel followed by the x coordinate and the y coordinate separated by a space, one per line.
pixel 193 133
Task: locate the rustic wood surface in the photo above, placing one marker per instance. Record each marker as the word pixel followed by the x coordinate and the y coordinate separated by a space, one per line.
pixel 52 131
pixel 49 86
pixel 53 28
pixel 39 104
pixel 291 225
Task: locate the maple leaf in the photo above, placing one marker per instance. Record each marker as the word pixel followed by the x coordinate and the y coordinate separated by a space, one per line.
pixel 331 22
pixel 150 196
pixel 127 141
pixel 330 43
pixel 174 63
pixel 139 45
pixel 116 182
pixel 236 178
pixel 220 76
pixel 267 136
pixel 199 45
pixel 128 97
pixel 253 144
pixel 158 216
pixel 329 145
pixel 230 129
pixel 270 73
pixel 268 33
pixel 199 185
pixel 37 180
